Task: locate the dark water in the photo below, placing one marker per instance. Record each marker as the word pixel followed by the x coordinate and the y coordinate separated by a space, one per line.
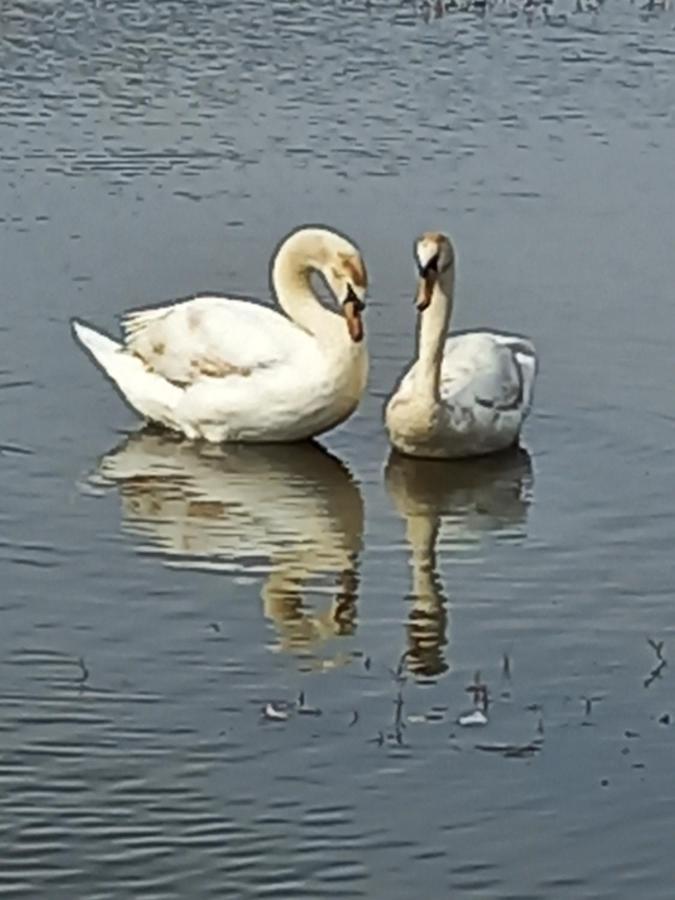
pixel 156 596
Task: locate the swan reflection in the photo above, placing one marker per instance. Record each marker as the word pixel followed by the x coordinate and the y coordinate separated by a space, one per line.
pixel 291 513
pixel 465 500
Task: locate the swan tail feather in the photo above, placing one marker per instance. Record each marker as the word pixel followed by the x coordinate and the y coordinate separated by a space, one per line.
pixel 526 359
pixel 150 394
pixel 138 321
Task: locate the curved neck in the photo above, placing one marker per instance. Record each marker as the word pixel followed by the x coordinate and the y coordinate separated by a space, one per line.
pixel 293 265
pixel 431 334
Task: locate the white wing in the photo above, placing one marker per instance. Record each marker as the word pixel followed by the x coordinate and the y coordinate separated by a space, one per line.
pixel 526 359
pixel 489 370
pixel 211 336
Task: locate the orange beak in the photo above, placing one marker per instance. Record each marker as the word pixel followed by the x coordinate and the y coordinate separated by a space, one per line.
pixel 352 311
pixel 425 290
pixel 353 308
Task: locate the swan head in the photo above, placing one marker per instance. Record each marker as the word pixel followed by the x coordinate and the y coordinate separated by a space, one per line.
pixel 345 274
pixel 333 257
pixel 435 258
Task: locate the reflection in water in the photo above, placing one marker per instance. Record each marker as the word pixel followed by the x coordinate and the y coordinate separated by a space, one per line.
pixel 467 498
pixel 290 512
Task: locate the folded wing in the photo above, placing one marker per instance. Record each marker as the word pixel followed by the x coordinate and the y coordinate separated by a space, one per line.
pixel 211 337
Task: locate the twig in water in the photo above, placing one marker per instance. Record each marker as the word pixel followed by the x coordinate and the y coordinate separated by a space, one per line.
pixel 355 718
pixel 511 751
pixel 398 715
pixel 657 647
pixel 84 677
pixel 655 673
pixel 506 666
pixel 399 724
pixel 588 704
pixel 479 690
pixel 661 662
pixel 303 709
pixel 397 673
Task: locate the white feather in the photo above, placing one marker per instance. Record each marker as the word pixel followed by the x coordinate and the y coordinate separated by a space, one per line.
pixel 233 370
pixel 470 396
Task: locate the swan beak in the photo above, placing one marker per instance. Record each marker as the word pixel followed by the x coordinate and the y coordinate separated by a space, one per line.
pixel 353 308
pixel 425 291
pixel 427 283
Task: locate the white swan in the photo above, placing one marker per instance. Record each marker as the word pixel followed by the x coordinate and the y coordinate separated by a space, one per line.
pixel 465 396
pixel 291 516
pixel 232 370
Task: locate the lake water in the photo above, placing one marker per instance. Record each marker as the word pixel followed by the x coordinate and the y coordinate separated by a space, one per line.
pixel 155 596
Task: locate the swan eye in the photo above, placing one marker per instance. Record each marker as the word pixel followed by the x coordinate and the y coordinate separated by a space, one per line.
pixel 352 298
pixel 430 268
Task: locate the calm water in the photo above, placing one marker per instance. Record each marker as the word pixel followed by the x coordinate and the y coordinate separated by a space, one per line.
pixel 156 596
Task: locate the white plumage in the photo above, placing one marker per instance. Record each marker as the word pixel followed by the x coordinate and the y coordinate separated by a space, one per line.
pixel 233 370
pixel 465 396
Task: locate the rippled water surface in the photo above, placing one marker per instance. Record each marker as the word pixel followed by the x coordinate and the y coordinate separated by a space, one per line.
pixel 155 596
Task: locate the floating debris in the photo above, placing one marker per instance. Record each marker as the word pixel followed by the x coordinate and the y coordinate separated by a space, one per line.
pixel 588 705
pixel 399 724
pixel 398 674
pixel 84 676
pixel 657 647
pixel 303 709
pixel 479 690
pixel 512 751
pixel 476 717
pixel 215 626
pixel 274 714
pixel 631 734
pixel 661 662
pixel 379 740
pixel 506 666
pixel 433 715
pixel 355 718
pixel 664 719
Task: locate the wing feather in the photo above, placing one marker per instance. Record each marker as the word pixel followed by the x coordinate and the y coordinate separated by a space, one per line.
pixel 495 371
pixel 207 337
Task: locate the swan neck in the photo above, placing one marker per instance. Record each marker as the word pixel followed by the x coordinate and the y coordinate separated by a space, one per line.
pixel 432 331
pixel 291 273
